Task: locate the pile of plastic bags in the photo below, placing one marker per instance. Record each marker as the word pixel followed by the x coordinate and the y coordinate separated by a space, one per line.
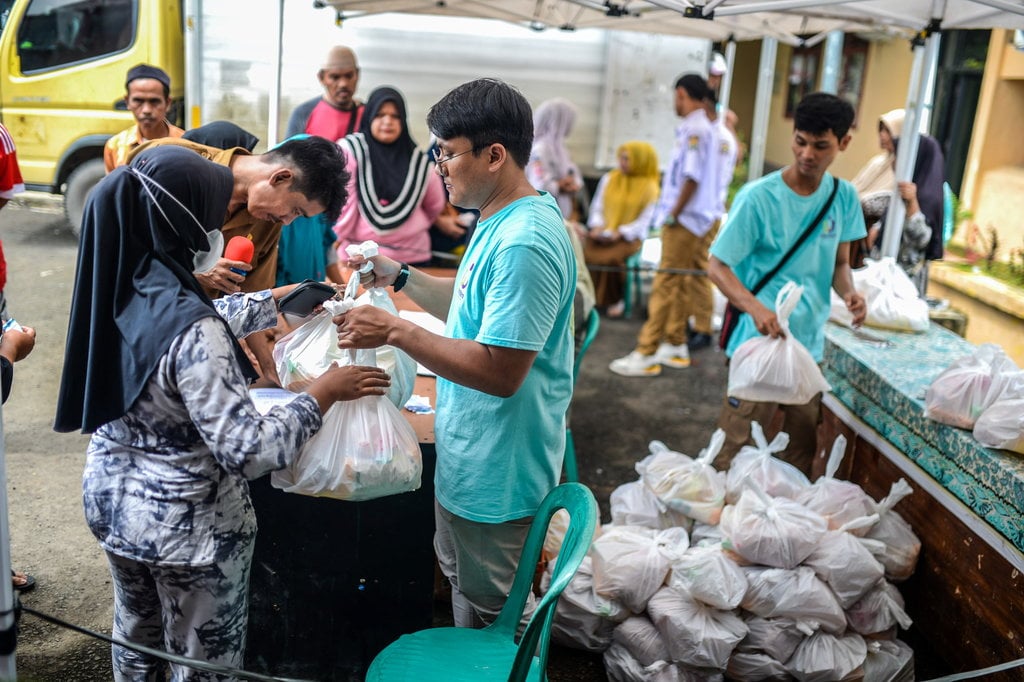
pixel 750 574
pixel 982 391
pixel 892 299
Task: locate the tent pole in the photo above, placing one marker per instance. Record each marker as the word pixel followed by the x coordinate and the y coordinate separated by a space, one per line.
pixel 762 107
pixel 194 63
pixel 8 670
pixel 726 87
pixel 274 96
pixel 833 62
pixel 926 55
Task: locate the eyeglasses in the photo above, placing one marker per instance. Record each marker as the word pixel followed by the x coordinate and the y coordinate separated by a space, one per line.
pixel 441 160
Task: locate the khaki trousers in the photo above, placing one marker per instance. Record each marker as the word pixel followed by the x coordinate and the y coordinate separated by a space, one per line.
pixel 675 297
pixel 799 421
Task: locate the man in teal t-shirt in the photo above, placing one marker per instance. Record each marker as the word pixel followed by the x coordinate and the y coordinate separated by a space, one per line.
pixel 766 219
pixel 504 364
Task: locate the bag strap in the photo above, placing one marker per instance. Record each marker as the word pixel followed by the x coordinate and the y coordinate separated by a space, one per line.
pixel 803 237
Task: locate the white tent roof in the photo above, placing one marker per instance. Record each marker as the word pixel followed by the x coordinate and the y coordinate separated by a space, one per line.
pixel 741 19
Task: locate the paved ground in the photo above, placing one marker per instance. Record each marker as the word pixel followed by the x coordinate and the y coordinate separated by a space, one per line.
pixel 613 420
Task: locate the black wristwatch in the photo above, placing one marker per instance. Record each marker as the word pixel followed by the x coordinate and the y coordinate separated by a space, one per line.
pixel 403 277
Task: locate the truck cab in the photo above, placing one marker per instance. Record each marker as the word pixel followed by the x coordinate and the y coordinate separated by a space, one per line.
pixel 62 70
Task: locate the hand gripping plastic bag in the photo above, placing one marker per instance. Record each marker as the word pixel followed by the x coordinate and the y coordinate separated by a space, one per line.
pixel 690 486
pixel 970 384
pixel 892 299
pixel 774 476
pixel 1001 426
pixel 364 449
pixel 838 501
pixel 307 351
pixel 772 531
pixel 779 370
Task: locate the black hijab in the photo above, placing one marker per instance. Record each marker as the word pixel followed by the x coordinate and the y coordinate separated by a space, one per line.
pixel 222 135
pixel 134 290
pixel 929 176
pixel 390 178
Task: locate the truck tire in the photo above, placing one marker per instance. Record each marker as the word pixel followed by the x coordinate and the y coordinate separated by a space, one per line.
pixel 80 183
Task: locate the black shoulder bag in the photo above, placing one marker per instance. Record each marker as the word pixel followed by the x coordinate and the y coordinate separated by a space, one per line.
pixel 732 313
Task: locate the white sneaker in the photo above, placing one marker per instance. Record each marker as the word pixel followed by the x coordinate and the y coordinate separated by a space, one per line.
pixel 636 365
pixel 673 356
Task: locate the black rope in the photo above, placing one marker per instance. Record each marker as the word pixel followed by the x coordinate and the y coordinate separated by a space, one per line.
pixel 163 655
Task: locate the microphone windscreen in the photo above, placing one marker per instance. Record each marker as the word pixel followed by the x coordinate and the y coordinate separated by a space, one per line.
pixel 239 248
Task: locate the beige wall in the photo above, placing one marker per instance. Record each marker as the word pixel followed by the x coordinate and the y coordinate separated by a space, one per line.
pixel 885 88
pixel 994 178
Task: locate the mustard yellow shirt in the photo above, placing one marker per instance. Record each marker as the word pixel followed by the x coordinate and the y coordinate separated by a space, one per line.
pixel 118 147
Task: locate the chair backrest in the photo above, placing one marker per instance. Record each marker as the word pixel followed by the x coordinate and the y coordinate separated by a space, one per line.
pixel 593 324
pixel 576 499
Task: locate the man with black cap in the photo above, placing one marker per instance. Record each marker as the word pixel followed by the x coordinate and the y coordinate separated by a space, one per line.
pixel 337 112
pixel 148 96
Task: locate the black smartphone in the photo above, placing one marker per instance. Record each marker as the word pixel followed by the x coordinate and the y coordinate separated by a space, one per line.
pixel 305 297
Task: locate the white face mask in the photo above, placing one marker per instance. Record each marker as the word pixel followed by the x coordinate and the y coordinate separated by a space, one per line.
pixel 203 260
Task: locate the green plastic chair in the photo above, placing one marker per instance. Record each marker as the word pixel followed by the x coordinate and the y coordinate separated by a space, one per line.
pixel 465 654
pixel 569 467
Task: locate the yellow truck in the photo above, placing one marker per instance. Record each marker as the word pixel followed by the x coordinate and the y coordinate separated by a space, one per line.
pixel 62 71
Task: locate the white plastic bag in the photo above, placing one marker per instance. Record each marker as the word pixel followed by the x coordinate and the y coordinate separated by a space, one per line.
pixel 639 636
pixel 779 370
pixel 634 504
pixel 631 563
pixel 307 351
pixel 772 531
pixel 751 666
pixel 845 564
pixel 365 449
pixel 710 577
pixel 797 594
pixel 900 545
pixel 823 657
pixel 878 611
pixel 1001 426
pixel 774 476
pixel 776 637
pixel 838 501
pixel 892 299
pixel 695 634
pixel 583 619
pixel 970 384
pixel 690 486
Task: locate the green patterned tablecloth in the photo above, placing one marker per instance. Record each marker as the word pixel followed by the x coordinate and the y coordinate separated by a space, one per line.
pixel 885 385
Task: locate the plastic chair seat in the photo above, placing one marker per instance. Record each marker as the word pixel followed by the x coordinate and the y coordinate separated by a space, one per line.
pixel 467 655
pixel 493 653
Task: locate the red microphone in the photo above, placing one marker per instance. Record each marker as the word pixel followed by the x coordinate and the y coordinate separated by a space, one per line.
pixel 241 249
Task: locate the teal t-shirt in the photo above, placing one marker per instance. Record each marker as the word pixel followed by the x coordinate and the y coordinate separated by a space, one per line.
pixel 498 457
pixel 766 218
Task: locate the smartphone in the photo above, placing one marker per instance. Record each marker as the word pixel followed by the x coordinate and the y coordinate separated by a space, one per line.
pixel 301 300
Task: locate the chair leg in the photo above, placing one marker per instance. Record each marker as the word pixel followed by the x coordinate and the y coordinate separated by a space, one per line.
pixel 569 461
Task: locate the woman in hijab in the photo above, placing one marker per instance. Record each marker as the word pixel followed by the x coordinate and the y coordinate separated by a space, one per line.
pixel 152 369
pixel 620 215
pixel 928 177
pixel 550 169
pixel 398 195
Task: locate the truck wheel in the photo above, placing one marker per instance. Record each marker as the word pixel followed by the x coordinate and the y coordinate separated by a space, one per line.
pixel 80 183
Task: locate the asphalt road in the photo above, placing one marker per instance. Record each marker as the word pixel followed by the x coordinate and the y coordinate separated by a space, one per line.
pixel 613 420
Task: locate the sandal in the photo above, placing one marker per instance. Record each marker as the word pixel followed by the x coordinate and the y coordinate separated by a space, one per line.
pixel 22 582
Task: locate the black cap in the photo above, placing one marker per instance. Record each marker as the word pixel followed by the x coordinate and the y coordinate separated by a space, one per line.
pixel 147 71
